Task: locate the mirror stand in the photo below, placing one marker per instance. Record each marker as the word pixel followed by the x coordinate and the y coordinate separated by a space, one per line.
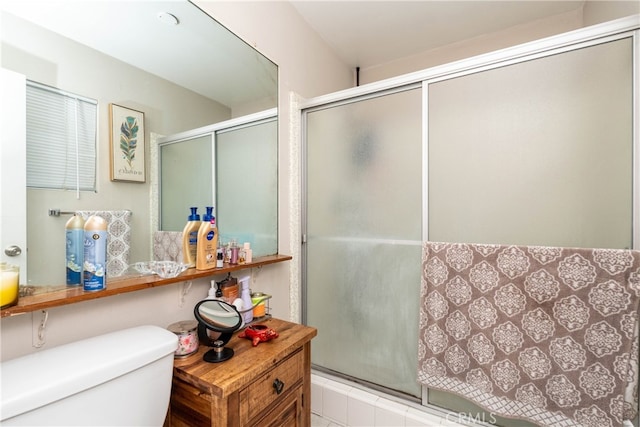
pixel 219 353
pixel 217 321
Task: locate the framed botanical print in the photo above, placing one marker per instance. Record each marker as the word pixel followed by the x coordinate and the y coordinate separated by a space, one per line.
pixel 127 144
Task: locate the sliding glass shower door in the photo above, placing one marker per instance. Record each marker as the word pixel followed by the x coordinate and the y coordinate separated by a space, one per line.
pixel 534 150
pixel 533 153
pixel 363 237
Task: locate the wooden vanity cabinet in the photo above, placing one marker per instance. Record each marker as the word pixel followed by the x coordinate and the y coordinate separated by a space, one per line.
pixel 267 385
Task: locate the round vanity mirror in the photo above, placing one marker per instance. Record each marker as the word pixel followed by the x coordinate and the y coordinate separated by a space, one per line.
pixel 217 321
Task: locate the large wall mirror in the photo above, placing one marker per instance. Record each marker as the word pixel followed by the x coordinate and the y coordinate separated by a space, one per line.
pixel 167 59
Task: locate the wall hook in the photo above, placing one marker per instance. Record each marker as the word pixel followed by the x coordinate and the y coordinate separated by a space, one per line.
pixel 40 336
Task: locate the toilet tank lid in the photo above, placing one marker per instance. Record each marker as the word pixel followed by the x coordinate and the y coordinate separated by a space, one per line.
pixel 38 379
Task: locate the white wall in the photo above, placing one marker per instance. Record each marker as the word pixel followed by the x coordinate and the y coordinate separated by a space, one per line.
pixel 482 44
pixel 591 13
pixel 156 306
pixel 596 12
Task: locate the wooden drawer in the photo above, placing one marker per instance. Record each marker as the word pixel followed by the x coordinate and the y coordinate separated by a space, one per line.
pixel 261 396
pixel 287 413
pixel 189 406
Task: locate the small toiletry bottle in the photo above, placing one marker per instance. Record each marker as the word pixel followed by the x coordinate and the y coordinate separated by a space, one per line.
pixel 241 260
pixel 190 238
pixel 245 294
pixel 75 249
pixel 248 253
pixel 227 253
pixel 207 245
pixel 219 258
pixel 94 275
pixel 235 251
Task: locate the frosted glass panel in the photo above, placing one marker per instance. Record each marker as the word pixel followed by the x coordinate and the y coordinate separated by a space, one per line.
pixel 364 207
pixel 537 153
pixel 246 178
pixel 182 166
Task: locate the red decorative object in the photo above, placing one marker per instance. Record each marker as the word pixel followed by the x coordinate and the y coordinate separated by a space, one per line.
pixel 258 334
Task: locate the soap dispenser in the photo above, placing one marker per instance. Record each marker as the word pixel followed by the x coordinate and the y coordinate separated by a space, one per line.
pixel 190 238
pixel 245 295
pixel 207 245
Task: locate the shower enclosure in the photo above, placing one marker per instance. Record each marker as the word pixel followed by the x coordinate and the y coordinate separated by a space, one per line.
pixel 531 146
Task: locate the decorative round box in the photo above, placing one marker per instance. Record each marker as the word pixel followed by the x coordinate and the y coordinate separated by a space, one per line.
pixel 187 333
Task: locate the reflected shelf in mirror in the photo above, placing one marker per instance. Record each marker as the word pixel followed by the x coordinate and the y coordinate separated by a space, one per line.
pixel 45 297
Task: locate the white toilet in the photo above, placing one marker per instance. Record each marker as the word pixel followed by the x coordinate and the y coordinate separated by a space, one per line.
pixel 121 378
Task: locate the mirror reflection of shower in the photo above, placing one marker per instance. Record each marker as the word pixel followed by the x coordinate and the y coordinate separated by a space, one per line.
pixel 232 166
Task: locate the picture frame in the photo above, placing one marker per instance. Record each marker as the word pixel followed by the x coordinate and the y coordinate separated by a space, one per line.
pixel 127 144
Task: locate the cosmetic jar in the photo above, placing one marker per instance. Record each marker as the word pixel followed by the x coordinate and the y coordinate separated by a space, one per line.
pixel 187 333
pixel 259 309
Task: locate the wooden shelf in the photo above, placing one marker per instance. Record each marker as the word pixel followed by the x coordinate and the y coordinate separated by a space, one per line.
pixel 64 295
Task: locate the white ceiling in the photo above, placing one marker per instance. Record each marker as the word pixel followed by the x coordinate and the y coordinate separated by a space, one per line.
pixel 367 33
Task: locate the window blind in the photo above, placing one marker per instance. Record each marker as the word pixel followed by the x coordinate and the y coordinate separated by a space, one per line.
pixel 61 139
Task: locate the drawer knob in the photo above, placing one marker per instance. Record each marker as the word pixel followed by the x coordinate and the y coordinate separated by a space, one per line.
pixel 278 386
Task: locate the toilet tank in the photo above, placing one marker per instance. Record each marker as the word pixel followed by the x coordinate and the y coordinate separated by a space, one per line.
pixel 120 378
